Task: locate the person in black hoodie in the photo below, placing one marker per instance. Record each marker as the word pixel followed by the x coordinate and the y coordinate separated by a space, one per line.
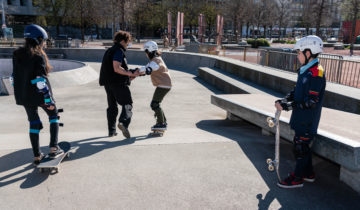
pixel 32 88
pixel 116 77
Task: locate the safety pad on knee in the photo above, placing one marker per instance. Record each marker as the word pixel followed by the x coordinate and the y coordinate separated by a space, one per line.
pixel 35 126
pixel 301 149
pixel 154 105
pixel 54 119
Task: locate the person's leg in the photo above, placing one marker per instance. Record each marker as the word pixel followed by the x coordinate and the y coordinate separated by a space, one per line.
pixel 303 155
pixel 35 127
pixel 112 110
pixel 158 97
pixel 126 114
pixel 54 125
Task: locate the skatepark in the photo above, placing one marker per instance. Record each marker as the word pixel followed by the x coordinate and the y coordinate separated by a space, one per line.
pixel 213 155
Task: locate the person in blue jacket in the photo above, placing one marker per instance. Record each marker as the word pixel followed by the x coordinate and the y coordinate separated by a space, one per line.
pixel 32 88
pixel 306 102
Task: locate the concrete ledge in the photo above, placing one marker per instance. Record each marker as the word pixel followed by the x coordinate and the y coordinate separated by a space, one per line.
pixel 338 137
pixel 337 96
pixel 226 82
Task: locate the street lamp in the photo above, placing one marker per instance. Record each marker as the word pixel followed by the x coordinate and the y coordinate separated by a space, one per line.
pixel 3 26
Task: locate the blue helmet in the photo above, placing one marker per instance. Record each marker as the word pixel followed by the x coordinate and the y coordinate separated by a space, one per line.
pixel 35 32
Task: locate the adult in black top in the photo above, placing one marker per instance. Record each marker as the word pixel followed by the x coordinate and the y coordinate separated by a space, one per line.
pixel 116 77
pixel 32 88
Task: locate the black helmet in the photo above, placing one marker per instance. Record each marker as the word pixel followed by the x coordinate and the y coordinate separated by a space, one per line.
pixel 35 32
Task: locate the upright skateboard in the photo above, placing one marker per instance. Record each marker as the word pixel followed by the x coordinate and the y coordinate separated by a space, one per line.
pixel 54 164
pixel 275 163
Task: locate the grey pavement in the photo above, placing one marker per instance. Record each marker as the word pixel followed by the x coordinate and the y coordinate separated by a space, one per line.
pixel 202 162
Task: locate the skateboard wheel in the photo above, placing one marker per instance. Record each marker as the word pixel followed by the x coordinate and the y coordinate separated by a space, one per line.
pixel 268 119
pixel 268 161
pixel 68 155
pixel 271 168
pixel 271 124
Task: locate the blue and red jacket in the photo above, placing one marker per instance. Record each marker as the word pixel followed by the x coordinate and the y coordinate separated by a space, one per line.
pixel 308 96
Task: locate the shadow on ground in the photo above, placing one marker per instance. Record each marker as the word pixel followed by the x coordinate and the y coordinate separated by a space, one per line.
pixel 327 192
pixel 19 162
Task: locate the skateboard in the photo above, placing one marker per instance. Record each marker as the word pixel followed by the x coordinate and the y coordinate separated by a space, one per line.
pixel 157 132
pixel 274 164
pixel 54 164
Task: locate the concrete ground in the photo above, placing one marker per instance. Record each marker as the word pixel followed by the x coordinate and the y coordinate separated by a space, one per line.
pixel 202 162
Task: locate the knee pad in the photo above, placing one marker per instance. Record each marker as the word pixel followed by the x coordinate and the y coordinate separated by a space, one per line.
pixel 35 126
pixel 154 105
pixel 301 149
pixel 54 119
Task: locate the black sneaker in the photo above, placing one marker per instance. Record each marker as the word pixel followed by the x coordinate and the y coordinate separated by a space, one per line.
pixel 310 178
pixel 124 130
pixel 291 182
pixel 56 153
pixel 112 133
pixel 37 160
pixel 159 126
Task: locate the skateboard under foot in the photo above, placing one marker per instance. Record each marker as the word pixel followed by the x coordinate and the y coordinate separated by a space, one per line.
pixel 54 164
pixel 156 132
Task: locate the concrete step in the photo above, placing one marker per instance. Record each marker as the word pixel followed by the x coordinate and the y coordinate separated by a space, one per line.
pixel 229 83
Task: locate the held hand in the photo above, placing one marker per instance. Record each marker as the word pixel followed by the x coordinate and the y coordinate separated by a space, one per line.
pixel 51 107
pixel 278 106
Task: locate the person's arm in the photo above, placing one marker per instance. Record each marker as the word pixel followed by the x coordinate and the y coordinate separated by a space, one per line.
pixel 315 84
pixel 149 68
pixel 285 103
pixel 120 70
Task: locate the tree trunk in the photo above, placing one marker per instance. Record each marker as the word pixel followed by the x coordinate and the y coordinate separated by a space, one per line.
pixel 235 29
pixel 247 29
pixel 97 31
pixel 319 16
pixel 265 31
pixel 355 12
pixel 57 29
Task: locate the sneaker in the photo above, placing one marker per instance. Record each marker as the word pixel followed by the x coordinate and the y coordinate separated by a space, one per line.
pixel 55 153
pixel 310 178
pixel 112 133
pixel 124 130
pixel 37 160
pixel 159 126
pixel 291 182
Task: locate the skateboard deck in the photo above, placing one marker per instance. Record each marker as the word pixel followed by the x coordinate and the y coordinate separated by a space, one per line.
pixel 274 164
pixel 53 164
pixel 156 132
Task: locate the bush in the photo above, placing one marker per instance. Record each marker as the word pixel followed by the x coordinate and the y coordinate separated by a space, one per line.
pixel 255 43
pixel 290 42
pixel 279 41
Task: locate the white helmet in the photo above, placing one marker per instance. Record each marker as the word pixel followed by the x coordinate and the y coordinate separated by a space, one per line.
pixel 313 43
pixel 151 46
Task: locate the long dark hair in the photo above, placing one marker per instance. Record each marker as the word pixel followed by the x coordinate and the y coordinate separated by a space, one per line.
pixel 153 54
pixel 34 48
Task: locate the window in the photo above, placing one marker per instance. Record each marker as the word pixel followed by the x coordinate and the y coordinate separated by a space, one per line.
pixel 9 2
pixel 22 2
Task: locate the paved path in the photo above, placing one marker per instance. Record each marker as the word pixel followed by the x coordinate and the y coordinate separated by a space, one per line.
pixel 202 162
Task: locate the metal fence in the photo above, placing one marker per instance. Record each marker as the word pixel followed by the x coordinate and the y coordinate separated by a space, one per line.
pixel 337 69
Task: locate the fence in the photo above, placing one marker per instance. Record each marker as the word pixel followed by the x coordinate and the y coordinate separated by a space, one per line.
pixel 337 69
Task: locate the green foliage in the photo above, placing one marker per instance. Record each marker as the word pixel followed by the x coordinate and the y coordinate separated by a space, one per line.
pixel 279 41
pixel 255 43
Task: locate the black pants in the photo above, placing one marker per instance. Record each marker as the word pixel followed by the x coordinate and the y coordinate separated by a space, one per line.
pixel 118 94
pixel 36 126
pixel 158 97
pixel 303 155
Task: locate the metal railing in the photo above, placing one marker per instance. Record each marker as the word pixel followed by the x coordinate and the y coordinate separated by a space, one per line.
pixel 337 70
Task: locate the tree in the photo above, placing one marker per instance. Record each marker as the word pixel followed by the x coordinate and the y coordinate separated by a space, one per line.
pixel 234 11
pixel 210 17
pixel 351 8
pixel 55 11
pixel 283 15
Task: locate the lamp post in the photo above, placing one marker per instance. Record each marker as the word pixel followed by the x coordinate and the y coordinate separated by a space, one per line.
pixel 3 26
